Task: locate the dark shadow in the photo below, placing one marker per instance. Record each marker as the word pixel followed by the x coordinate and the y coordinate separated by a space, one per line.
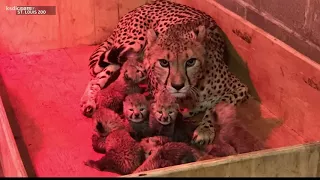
pixel 239 67
pixel 23 150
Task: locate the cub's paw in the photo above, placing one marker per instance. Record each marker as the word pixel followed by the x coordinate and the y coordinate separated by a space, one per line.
pixel 98 144
pixel 203 136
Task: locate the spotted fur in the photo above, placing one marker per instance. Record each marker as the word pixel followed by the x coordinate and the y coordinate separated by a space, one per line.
pixel 122 153
pixel 131 74
pixel 136 113
pixel 232 137
pixel 169 154
pixel 164 114
pixel 184 54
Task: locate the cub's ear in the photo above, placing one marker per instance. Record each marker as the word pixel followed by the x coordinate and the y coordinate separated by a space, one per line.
pixel 152 105
pixel 199 33
pixel 151 36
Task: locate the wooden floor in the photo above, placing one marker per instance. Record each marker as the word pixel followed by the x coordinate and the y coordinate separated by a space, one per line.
pixel 41 93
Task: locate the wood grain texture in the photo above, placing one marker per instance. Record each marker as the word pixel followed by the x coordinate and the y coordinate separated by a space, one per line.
pixel 106 16
pixel 10 160
pixel 128 5
pixel 286 82
pixel 86 23
pixel 27 33
pixel 294 161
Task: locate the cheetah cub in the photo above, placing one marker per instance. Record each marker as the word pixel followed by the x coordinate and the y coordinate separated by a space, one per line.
pixel 162 152
pixel 136 114
pixel 131 74
pixel 166 120
pixel 164 112
pixel 122 153
pixel 231 137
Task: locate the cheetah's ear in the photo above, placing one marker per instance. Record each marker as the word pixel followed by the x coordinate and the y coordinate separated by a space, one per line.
pixel 151 36
pixel 199 33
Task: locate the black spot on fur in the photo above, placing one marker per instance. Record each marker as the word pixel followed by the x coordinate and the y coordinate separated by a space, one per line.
pixel 101 62
pixel 114 54
pixel 141 38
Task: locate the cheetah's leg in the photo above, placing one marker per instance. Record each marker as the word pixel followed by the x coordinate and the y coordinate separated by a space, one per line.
pixel 204 134
pixel 101 70
pixel 88 102
pixel 237 96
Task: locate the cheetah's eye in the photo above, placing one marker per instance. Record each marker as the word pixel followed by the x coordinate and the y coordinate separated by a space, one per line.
pixel 164 63
pixel 191 62
pixel 170 112
pixel 160 112
pixel 141 109
pixel 130 109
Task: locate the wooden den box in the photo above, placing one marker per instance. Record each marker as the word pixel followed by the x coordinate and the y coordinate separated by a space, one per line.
pixel 44 73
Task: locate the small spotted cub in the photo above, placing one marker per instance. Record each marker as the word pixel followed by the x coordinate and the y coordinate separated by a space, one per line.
pixel 166 120
pixel 163 114
pixel 164 153
pixel 131 74
pixel 136 113
pixel 123 154
pixel 231 137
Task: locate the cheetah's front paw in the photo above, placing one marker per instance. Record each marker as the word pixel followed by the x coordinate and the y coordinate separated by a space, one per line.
pixel 203 136
pixel 88 107
pixel 88 102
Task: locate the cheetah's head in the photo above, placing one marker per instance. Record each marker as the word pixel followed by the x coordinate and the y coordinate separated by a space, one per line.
pixel 133 70
pixel 165 108
pixel 135 108
pixel 176 59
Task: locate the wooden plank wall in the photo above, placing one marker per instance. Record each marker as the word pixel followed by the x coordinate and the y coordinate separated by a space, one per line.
pixel 76 23
pixel 10 160
pixel 294 161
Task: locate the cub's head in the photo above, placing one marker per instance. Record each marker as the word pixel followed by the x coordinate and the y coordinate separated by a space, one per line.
pixel 176 59
pixel 135 107
pixel 149 144
pixel 106 121
pixel 165 108
pixel 133 70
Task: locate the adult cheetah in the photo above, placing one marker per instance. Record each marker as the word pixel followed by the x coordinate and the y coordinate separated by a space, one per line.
pixel 183 52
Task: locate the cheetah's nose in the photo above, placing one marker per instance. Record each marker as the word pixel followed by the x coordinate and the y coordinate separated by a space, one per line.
pixel 165 119
pixel 177 86
pixel 136 115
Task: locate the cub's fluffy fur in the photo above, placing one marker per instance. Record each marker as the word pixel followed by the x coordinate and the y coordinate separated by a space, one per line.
pixel 232 137
pixel 166 120
pixel 123 153
pixel 131 74
pixel 163 154
pixel 163 114
pixel 136 113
